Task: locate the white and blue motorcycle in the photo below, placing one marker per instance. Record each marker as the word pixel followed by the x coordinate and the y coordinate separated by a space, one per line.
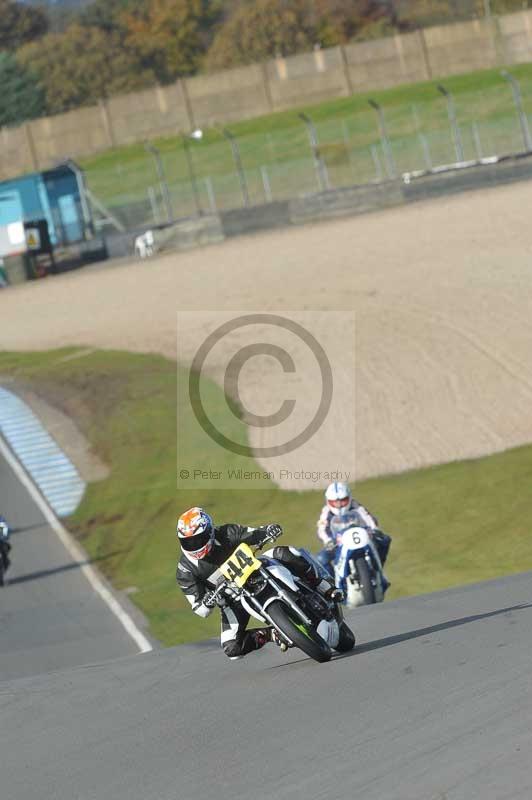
pixel 357 566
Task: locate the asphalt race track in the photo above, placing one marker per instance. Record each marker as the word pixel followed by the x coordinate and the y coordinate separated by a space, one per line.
pixel 434 704
pixel 50 617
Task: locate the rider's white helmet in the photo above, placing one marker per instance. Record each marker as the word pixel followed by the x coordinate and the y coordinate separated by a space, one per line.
pixel 338 496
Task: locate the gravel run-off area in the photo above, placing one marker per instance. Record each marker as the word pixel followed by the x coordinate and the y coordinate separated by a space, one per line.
pixel 442 342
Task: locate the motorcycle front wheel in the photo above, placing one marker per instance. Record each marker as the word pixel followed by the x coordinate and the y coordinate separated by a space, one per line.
pixel 347 639
pixel 364 578
pixel 2 571
pixel 303 636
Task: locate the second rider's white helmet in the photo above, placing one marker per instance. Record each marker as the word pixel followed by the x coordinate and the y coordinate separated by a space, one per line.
pixel 338 496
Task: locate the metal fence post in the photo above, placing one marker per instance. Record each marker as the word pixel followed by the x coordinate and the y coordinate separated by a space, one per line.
pixel 376 162
pixel 153 203
pixel 210 194
pixel 319 164
pixel 385 139
pixel 476 138
pixel 518 100
pixel 266 183
pixel 455 128
pixel 231 138
pixel 425 147
pixel 192 175
pixel 165 194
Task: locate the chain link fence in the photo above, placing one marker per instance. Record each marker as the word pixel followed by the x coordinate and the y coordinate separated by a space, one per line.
pixel 218 171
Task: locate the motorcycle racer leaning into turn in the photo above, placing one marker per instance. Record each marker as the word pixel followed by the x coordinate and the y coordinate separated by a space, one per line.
pixel 339 501
pixel 205 547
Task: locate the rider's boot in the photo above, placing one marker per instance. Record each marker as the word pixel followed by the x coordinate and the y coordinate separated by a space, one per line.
pixel 326 588
pixel 276 639
pixel 264 635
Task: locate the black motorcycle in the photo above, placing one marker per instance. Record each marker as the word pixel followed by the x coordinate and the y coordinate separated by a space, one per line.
pixel 270 593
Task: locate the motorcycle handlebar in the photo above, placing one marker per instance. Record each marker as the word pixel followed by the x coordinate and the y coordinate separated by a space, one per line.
pixel 267 540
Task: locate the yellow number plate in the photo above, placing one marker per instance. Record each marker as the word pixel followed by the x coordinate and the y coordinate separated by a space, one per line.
pixel 240 565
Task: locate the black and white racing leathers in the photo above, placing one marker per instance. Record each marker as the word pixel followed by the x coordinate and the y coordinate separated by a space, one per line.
pixel 193 578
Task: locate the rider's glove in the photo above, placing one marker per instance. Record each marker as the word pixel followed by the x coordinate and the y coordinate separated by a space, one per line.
pixel 330 546
pixel 274 531
pixel 211 599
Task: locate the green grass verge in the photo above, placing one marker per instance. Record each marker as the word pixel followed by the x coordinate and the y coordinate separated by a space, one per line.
pixel 452 524
pixel 417 122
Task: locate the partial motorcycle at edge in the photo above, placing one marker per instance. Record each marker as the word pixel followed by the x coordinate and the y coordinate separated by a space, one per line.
pixel 5 547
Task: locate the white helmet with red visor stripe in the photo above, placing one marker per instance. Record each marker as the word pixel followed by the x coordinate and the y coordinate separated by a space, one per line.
pixel 338 496
pixel 195 531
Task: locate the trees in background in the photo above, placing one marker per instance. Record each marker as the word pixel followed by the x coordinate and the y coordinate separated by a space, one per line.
pixel 264 29
pixel 19 24
pixel 112 46
pixel 171 37
pixel 81 66
pixel 22 97
pixel 107 14
pixel 352 19
pixel 267 28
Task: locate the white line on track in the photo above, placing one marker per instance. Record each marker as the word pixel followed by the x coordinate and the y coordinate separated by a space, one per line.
pixel 76 553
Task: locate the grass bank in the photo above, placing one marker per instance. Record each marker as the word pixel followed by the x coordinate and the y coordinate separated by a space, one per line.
pixel 452 524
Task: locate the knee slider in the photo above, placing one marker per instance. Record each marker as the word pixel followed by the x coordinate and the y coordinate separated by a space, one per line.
pixel 278 552
pixel 232 649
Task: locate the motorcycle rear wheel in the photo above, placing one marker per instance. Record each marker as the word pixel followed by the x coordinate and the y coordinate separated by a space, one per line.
pixel 300 634
pixel 364 578
pixel 2 571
